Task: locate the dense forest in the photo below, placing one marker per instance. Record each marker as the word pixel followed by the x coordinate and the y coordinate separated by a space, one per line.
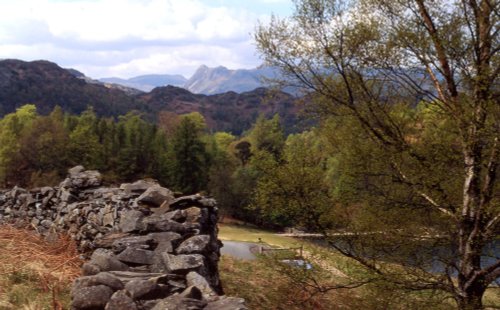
pixel 179 152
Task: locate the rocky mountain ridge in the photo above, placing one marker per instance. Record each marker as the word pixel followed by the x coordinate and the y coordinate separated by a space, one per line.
pixel 210 81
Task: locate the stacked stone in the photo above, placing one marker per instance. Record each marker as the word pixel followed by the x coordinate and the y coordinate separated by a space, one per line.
pixel 148 249
pixel 78 206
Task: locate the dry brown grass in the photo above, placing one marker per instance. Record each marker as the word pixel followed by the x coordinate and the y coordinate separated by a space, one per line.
pixel 35 273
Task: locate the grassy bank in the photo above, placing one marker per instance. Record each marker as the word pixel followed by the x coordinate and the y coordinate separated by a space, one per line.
pixel 35 274
pixel 268 285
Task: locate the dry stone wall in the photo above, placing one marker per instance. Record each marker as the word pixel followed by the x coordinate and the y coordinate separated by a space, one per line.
pixel 146 248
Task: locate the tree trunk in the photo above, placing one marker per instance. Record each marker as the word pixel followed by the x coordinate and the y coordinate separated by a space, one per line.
pixel 471 300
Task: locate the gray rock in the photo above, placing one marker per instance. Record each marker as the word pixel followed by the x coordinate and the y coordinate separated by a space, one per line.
pixel 160 237
pixel 194 245
pixel 90 298
pixel 146 289
pixel 108 219
pixel 136 256
pixel 76 170
pixel 46 190
pixel 176 215
pixel 195 279
pixel 89 269
pixel 103 278
pixel 66 196
pixel 137 187
pixel 106 261
pixel 192 292
pixel 131 221
pixel 121 301
pixel 157 223
pixel 193 215
pixel 107 240
pixel 183 263
pixel 138 242
pixel 85 179
pixel 227 303
pixel 127 276
pixel 154 196
pixel 193 200
pixel 164 246
pixel 177 302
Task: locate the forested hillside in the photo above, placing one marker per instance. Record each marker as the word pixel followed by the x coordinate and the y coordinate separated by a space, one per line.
pixel 47 85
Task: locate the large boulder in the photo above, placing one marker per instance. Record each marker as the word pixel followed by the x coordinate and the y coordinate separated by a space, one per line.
pixel 81 179
pixel 155 196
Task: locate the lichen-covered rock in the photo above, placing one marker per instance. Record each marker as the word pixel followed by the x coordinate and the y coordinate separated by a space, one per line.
pixel 194 245
pixel 137 242
pixel 195 279
pixel 131 221
pixel 91 298
pixel 183 263
pixel 81 179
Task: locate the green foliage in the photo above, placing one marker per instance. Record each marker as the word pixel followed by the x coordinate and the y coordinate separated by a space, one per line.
pixel 12 127
pixel 267 135
pixel 84 146
pixel 295 191
pixel 189 157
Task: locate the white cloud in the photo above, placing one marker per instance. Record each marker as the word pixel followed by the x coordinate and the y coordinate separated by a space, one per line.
pixel 128 37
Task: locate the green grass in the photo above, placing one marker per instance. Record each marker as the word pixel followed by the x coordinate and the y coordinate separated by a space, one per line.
pixel 247 279
pixel 249 234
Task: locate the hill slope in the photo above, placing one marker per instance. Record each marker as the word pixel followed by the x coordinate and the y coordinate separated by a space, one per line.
pixel 46 85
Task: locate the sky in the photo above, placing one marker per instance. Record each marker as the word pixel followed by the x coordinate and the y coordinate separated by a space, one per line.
pixel 126 38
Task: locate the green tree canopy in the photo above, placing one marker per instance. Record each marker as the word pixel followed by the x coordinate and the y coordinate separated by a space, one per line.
pixel 371 61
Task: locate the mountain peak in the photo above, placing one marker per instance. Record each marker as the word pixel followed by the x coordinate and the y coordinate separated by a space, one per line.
pixel 220 79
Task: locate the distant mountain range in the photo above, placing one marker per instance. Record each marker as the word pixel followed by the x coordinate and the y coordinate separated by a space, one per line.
pixel 205 80
pixel 146 83
pixel 46 85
